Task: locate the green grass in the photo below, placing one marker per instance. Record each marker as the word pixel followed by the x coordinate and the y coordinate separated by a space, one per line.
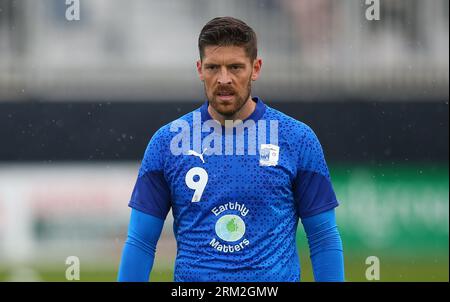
pixel 391 269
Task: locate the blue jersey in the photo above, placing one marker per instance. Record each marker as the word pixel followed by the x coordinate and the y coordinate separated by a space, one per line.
pixel 236 193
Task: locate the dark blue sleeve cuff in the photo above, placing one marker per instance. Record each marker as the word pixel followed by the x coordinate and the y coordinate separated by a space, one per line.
pixel 313 194
pixel 151 194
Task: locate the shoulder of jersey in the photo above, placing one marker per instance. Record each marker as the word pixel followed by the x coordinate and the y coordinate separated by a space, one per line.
pixel 287 123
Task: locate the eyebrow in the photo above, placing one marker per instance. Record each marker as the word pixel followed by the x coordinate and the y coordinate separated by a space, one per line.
pixel 237 64
pixel 228 65
pixel 210 65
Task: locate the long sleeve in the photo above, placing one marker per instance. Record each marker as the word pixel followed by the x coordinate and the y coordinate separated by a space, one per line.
pixel 325 246
pixel 139 249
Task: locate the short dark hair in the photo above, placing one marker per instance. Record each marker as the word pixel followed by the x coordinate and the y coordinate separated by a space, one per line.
pixel 228 31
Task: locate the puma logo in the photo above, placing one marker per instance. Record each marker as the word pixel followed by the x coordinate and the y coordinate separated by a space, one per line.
pixel 192 152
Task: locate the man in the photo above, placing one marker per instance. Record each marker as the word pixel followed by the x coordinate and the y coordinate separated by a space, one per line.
pixel 238 191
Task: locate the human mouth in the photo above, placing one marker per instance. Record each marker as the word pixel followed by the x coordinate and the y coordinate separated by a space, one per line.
pixel 225 95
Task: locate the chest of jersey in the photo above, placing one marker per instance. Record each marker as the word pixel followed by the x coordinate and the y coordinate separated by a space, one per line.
pixel 257 186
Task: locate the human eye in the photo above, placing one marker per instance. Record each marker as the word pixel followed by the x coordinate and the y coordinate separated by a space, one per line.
pixel 211 67
pixel 236 67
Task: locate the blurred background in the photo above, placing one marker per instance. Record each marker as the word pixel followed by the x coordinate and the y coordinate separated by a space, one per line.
pixel 79 101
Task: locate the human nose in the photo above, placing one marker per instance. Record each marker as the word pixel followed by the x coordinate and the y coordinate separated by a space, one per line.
pixel 224 77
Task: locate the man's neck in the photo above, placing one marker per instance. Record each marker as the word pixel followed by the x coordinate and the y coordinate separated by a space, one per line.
pixel 246 110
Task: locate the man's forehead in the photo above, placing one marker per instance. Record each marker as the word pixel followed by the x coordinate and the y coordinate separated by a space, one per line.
pixel 218 54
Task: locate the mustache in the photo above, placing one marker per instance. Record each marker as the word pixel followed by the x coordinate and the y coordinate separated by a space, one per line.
pixel 224 89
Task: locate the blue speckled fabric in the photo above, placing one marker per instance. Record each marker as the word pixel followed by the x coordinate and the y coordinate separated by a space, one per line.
pixel 235 216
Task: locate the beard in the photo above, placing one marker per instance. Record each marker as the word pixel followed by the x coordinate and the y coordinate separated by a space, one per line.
pixel 228 109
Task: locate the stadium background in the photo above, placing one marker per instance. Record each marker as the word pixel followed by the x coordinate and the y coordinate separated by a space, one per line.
pixel 79 101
